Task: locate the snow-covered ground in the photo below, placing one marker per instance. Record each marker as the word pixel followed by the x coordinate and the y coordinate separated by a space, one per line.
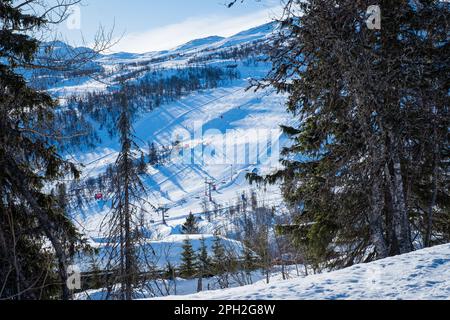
pixel 421 275
pixel 161 253
pixel 184 287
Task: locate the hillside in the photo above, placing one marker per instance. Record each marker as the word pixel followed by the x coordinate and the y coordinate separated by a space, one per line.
pixel 421 275
pixel 212 130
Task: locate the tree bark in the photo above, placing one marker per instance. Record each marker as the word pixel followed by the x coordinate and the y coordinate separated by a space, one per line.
pixel 429 231
pixel 376 219
pixel 400 212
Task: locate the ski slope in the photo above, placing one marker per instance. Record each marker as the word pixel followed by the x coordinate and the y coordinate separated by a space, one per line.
pixel 222 134
pixel 421 275
pixel 180 186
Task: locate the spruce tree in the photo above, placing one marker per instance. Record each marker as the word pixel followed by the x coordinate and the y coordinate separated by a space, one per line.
pixel 191 225
pixel 142 165
pixel 153 157
pixel 188 267
pixel 219 256
pixel 124 223
pixel 204 264
pixel 204 261
pixel 221 263
pixel 366 164
pixel 31 220
pixel 170 272
pixel 250 262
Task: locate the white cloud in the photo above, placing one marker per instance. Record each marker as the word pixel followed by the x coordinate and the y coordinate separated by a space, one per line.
pixel 172 35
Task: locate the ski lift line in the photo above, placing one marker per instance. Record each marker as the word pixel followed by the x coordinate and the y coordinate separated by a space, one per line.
pixel 197 108
pixel 157 133
pixel 266 202
pixel 140 208
pixel 85 175
pixel 86 232
pixel 197 194
pixel 212 211
pixel 176 174
pixel 148 202
pixel 99 159
pixel 182 115
pixel 71 218
pixel 269 201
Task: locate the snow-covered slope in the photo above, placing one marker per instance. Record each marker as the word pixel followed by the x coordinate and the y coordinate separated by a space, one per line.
pixel 229 130
pixel 198 43
pixel 424 274
pixel 180 185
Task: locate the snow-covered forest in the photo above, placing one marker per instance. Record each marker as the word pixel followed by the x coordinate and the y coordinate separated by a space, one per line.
pixel 305 158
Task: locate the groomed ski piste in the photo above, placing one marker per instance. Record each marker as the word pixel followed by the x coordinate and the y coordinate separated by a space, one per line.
pixel 421 275
pixel 180 186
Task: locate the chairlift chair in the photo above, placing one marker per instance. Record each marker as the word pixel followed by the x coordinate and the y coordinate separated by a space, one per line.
pixel 99 196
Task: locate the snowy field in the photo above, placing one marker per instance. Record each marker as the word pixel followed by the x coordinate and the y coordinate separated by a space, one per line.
pixel 422 275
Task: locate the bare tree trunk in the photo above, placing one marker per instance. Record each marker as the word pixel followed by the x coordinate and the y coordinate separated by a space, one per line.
pixel 400 212
pixel 376 219
pixel 429 231
pixel 128 243
pixel 200 284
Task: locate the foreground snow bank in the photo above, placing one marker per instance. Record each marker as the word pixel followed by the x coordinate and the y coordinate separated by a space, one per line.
pixel 424 274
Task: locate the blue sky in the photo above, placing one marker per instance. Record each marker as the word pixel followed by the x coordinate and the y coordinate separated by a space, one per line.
pixel 148 25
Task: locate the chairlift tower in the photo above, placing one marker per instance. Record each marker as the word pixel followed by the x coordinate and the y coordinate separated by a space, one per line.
pixel 209 185
pixel 163 211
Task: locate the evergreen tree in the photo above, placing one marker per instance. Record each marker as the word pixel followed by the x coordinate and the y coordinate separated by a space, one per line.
pixel 62 196
pixel 373 112
pixel 124 223
pixel 142 166
pixel 204 261
pixel 219 256
pixel 153 157
pixel 31 220
pixel 222 263
pixel 254 200
pixel 204 264
pixel 96 280
pixel 250 262
pixel 170 272
pixel 188 267
pixel 191 225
